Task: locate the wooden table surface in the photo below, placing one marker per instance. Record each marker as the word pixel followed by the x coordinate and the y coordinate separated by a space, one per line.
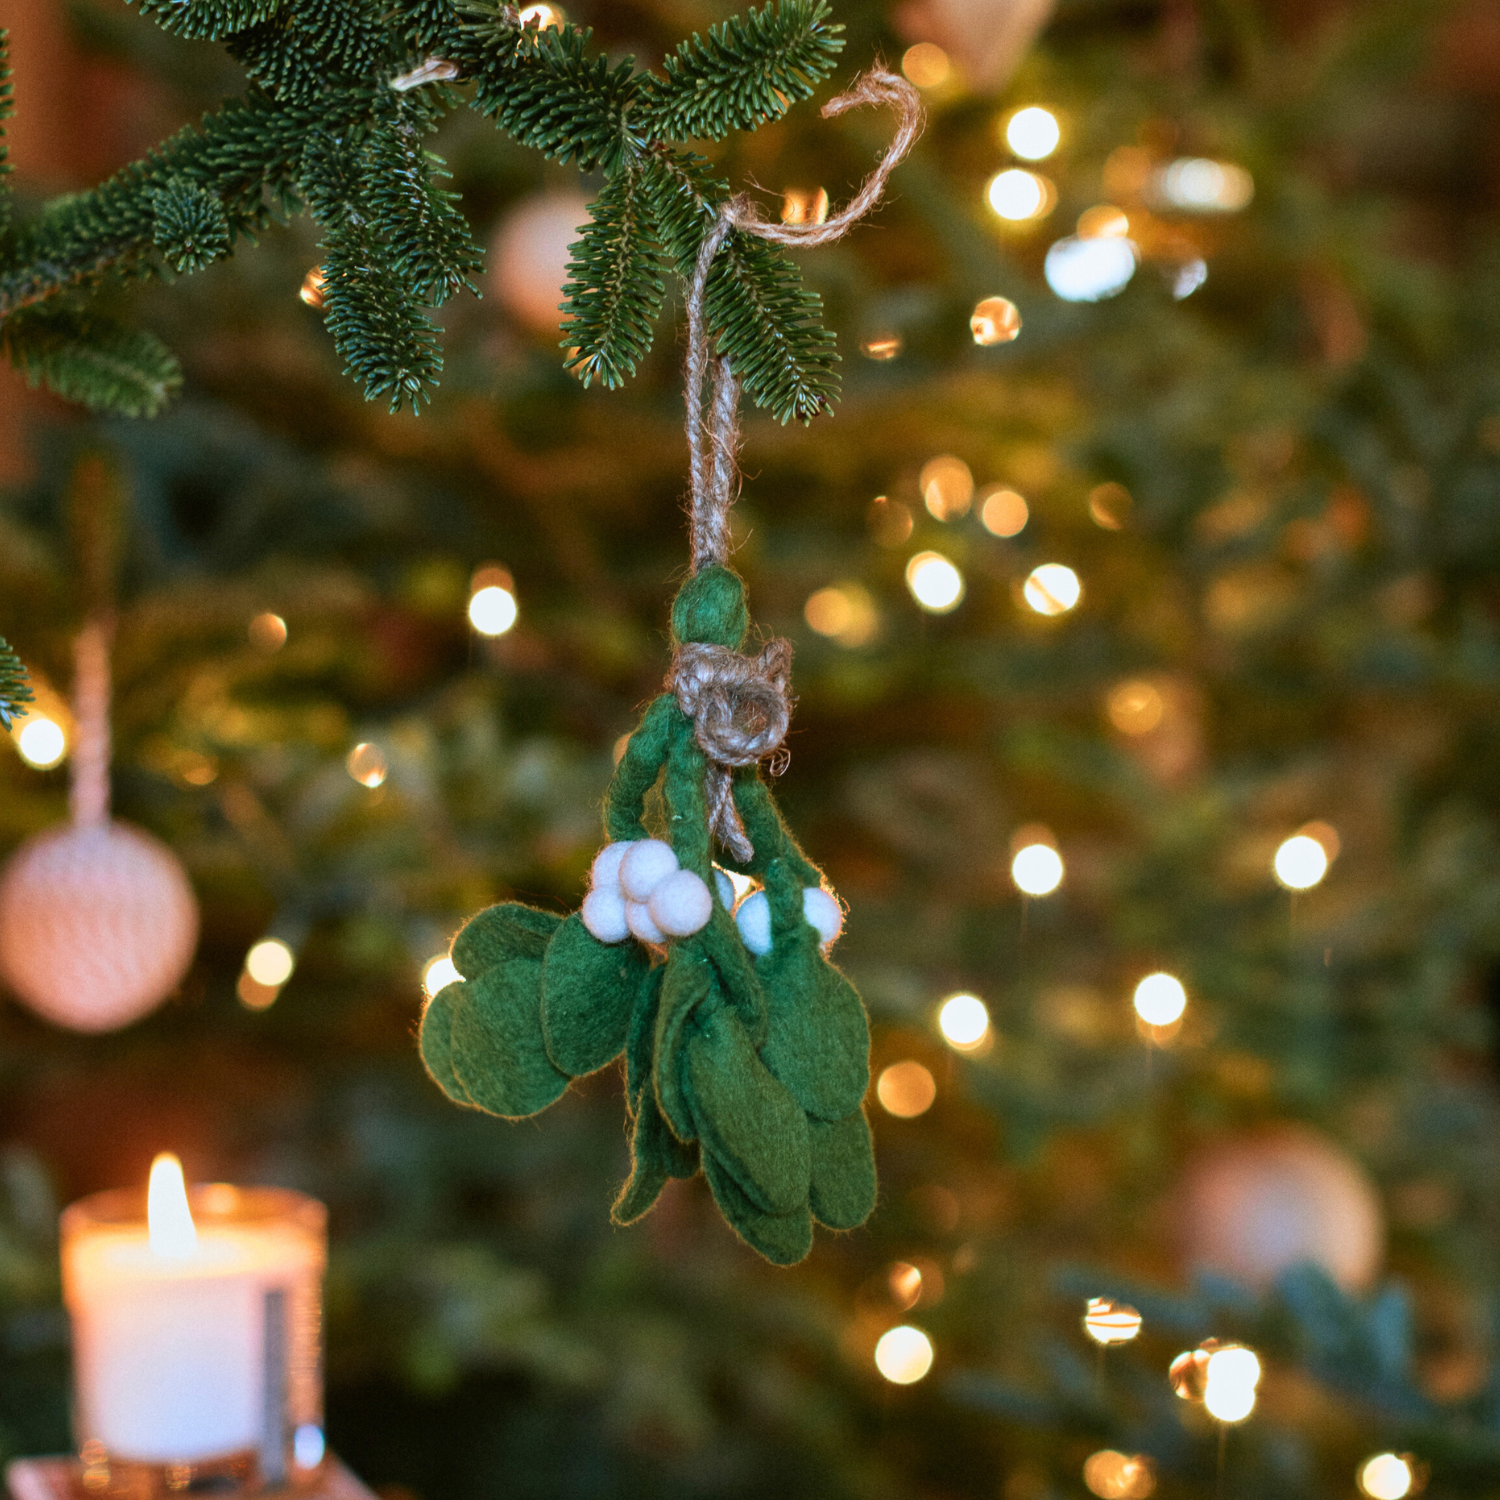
pixel 50 1479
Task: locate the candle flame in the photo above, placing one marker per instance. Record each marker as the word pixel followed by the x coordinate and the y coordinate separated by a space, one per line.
pixel 168 1217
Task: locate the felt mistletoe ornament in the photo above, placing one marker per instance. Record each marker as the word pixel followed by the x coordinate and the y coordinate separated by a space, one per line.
pixel 746 1050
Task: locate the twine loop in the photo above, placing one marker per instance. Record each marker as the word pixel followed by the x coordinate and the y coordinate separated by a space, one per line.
pixel 741 706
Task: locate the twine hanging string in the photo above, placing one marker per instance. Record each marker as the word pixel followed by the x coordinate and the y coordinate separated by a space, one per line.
pixel 741 706
pixel 88 792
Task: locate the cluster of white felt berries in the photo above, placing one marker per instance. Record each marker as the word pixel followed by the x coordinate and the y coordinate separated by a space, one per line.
pixel 637 888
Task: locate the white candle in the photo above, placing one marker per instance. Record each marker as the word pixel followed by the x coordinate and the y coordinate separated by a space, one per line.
pixel 194 1341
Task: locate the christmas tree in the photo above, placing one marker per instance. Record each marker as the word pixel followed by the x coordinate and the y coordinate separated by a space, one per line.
pixel 1140 576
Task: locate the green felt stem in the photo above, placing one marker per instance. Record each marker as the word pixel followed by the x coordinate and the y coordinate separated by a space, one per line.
pixel 645 754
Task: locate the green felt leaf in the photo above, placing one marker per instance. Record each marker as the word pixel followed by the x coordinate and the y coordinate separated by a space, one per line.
pixel 817 1037
pixel 688 984
pixel 745 1117
pixel 640 1040
pixel 436 1042
pixel 656 1156
pixel 783 1239
pixel 843 1171
pixel 589 993
pixel 508 930
pixel 499 1053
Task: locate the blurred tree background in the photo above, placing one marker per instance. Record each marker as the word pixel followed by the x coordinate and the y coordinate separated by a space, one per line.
pixel 1271 464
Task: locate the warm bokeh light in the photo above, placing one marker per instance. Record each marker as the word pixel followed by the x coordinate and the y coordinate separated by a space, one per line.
pixel 1326 834
pixel 1119 1476
pixel 1230 1380
pixel 845 612
pixel 906 1089
pixel 804 205
pixel 169 1220
pixel 1300 863
pixel 1189 1373
pixel 1160 999
pixel 270 962
pixel 965 1022
pixel 881 347
pixel 41 742
pixel 995 320
pixel 1037 869
pixel 267 632
pixel 1134 707
pixel 904 1354
pixel 947 487
pixel 1052 589
pixel 905 1282
pixel 1200 185
pixel 926 65
pixel 543 17
pixel 1109 1322
pixel 1018 195
pixel 493 610
pixel 366 763
pixel 934 582
pixel 1110 505
pixel 1186 277
pixel 1386 1476
pixel 1089 270
pixel 439 972
pixel 1032 133
pixel 1103 222
pixel 1002 512
pixel 311 291
pixel 891 522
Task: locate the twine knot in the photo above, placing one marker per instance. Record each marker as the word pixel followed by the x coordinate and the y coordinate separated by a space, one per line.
pixel 741 708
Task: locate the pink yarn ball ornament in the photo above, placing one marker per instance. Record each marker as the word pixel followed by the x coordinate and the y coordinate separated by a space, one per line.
pixel 98 925
pixel 1254 1205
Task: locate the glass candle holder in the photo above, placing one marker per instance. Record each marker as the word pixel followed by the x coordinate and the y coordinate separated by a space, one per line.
pixel 197 1353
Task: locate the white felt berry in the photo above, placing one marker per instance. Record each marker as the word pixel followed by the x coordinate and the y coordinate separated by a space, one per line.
pixel 823 912
pixel 754 922
pixel 647 863
pixel 725 887
pixel 638 919
pixel 604 873
pixel 603 913
pixel 681 904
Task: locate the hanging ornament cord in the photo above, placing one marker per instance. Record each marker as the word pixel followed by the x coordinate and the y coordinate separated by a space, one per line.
pixel 746 1050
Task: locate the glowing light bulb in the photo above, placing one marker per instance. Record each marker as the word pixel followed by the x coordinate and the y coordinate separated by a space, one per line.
pixel 439 972
pixel 1032 133
pixel 1037 869
pixel 169 1220
pixel 366 763
pixel 1109 1322
pixel 1089 270
pixel 995 320
pixel 1200 185
pixel 1160 1000
pixel 964 1022
pixel 903 1354
pixel 1230 1379
pixel 906 1089
pixel 947 487
pixel 1017 195
pixel 1119 1476
pixel 1052 589
pixel 1002 512
pixel 934 582
pixel 1300 863
pixel 311 291
pixel 905 1282
pixel 41 742
pixel 543 17
pixel 804 205
pixel 270 962
pixel 926 65
pixel 1386 1476
pixel 493 610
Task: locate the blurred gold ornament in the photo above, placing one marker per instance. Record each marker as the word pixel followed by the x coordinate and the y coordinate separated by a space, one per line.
pixel 926 65
pixel 1118 1476
pixel 366 763
pixel 947 487
pixel 1134 706
pixel 986 38
pixel 312 287
pixel 267 632
pixel 1110 505
pixel 1109 1322
pixel 890 521
pixel 906 1089
pixel 995 320
pixel 1002 512
pixel 804 205
pixel 529 256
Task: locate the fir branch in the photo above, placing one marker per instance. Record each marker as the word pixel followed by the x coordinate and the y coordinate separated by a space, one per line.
pixel 191 231
pixel 207 20
pixel 768 322
pixel 751 69
pixel 15 691
pixel 615 292
pixel 91 359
